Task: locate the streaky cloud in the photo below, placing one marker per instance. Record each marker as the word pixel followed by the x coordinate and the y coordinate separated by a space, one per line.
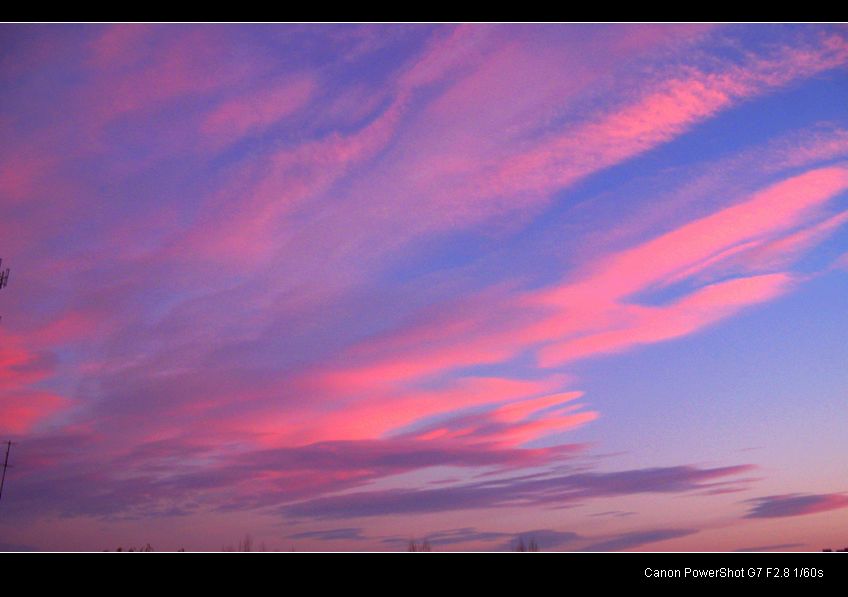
pixel 795 504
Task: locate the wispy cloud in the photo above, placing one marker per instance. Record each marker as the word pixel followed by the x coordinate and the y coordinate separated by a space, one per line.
pixel 347 533
pixel 636 539
pixel 772 547
pixel 795 504
pixel 555 490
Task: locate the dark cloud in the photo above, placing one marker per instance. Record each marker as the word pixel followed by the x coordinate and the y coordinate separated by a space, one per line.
pixel 175 477
pixel 544 538
pixel 795 504
pixel 637 539
pixel 449 537
pixel 553 491
pixel 463 535
pixel 778 547
pixel 614 513
pixel 4 547
pixel 348 533
pixel 178 476
pixel 391 456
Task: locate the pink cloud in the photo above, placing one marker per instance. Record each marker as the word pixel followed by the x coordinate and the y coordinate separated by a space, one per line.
pixel 450 179
pixel 381 410
pixel 248 230
pixel 516 411
pixel 592 307
pixel 20 176
pixel 820 146
pixel 24 410
pixel 253 112
pixel 647 325
pixel 294 179
pixel 483 430
pixel 453 48
pixel 509 422
pixel 690 248
pixel 120 45
pixel 782 251
pixel 20 366
pixel 192 63
pixel 275 211
pixel 294 176
pixel 673 105
pixel 526 431
pixel 23 406
pixel 70 326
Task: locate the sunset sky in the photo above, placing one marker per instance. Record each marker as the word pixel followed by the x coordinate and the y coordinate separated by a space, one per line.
pixel 342 286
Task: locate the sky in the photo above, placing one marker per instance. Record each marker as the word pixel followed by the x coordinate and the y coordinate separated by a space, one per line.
pixel 339 287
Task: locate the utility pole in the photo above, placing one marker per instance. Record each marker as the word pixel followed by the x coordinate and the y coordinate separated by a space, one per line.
pixel 5 466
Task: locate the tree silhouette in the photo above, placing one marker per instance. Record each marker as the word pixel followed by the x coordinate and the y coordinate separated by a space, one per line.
pixel 146 549
pixel 415 546
pixel 531 546
pixel 246 544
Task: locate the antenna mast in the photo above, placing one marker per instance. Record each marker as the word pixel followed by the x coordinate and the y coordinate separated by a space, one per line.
pixel 4 277
pixel 5 466
pixel 4 280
